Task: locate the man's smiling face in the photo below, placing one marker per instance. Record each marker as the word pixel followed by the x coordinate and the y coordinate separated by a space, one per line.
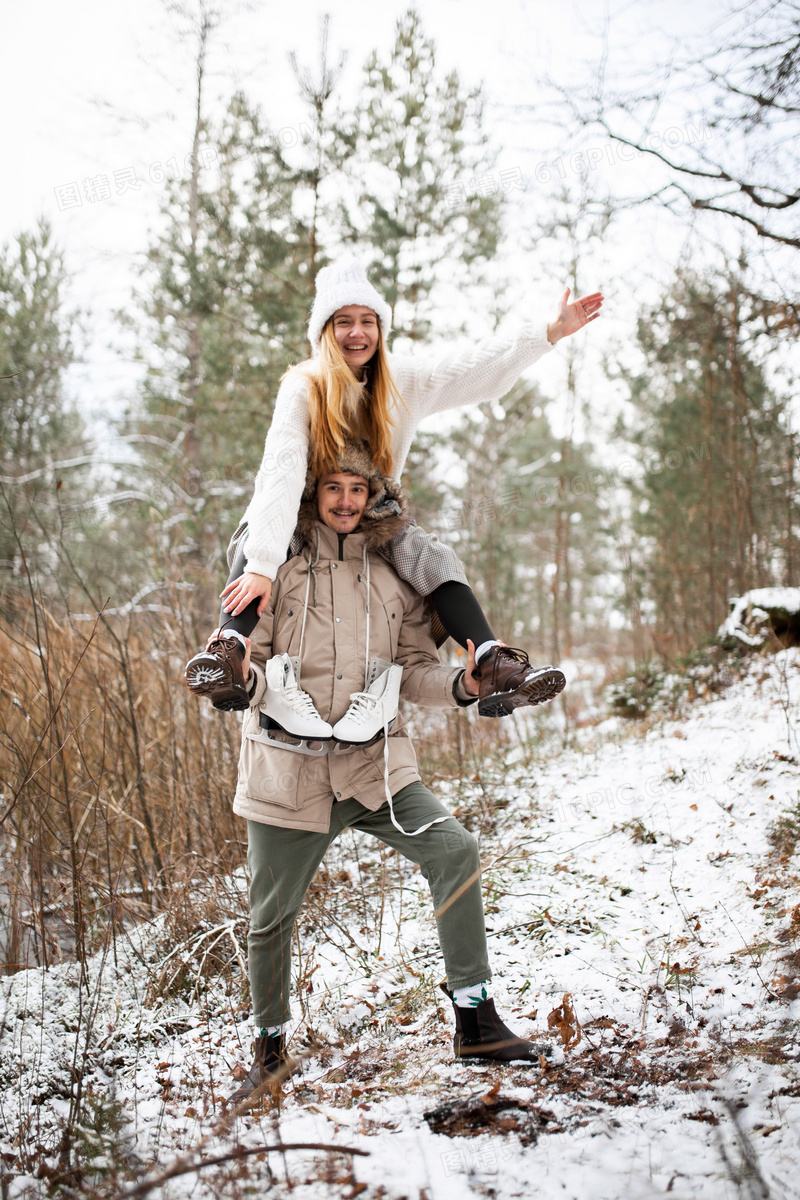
pixel 341 500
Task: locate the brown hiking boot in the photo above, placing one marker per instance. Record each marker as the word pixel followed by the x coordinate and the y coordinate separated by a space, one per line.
pixel 481 1034
pixel 508 681
pixel 217 673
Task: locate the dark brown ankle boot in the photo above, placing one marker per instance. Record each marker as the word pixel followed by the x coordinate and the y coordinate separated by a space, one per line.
pixel 507 681
pixel 217 673
pixel 270 1057
pixel 481 1035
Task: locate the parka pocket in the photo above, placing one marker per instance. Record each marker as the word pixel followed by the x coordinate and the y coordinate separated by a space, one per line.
pixel 266 775
pixel 287 625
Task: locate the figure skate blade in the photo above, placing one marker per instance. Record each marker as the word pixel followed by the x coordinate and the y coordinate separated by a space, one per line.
pixel 273 734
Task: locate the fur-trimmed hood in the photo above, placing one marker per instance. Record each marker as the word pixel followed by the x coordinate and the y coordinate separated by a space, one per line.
pixel 386 514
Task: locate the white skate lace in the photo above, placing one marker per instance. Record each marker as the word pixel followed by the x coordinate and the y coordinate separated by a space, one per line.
pixel 362 707
pixel 388 791
pixel 299 700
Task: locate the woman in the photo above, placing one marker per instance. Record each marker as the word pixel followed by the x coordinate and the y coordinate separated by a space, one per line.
pixel 355 388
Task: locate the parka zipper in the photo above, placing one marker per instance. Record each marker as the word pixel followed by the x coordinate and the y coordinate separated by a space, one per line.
pixel 341 537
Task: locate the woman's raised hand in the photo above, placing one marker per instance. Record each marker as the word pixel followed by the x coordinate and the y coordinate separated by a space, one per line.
pixel 572 317
pixel 240 592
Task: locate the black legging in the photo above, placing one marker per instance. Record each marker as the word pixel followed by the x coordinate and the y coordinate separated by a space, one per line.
pixel 456 606
pixel 247 620
pixel 462 616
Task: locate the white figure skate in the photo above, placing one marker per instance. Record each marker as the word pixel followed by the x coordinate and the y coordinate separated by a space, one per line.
pixel 374 710
pixel 287 709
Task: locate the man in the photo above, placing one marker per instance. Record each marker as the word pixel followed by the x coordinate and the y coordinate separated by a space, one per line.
pixel 340 630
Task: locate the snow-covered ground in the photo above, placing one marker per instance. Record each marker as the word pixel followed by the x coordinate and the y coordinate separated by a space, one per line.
pixel 640 874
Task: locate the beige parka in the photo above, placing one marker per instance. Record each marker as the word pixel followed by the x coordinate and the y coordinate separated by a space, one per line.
pixel 278 787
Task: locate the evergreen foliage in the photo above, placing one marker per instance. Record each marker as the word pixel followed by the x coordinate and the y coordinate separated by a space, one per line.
pixel 39 425
pixel 226 314
pixel 711 503
pixel 419 141
pixel 528 522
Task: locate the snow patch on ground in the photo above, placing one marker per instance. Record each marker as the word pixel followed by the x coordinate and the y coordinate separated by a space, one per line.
pixel 637 873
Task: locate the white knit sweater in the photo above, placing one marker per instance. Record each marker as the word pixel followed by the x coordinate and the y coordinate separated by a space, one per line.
pixel 484 371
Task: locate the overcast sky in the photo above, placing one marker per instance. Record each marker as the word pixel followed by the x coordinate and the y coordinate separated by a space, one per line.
pixel 102 89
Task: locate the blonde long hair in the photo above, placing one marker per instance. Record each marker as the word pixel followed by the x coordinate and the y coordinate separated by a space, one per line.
pixel 334 396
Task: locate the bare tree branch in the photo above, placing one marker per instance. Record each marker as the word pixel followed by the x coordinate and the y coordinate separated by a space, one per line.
pixel 755 90
pixel 185 1168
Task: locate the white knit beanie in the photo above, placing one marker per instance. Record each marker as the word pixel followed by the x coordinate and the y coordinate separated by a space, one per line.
pixel 345 282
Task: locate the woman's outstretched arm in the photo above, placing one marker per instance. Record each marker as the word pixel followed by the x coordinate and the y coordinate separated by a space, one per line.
pixel 488 369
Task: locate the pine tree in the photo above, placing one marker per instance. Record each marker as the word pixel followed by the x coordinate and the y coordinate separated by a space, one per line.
pixel 716 459
pixel 508 517
pixel 578 221
pixel 428 205
pixel 328 149
pixel 43 443
pixel 227 311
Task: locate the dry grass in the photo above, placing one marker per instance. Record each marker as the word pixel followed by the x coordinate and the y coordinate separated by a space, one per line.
pixel 113 779
pixel 117 784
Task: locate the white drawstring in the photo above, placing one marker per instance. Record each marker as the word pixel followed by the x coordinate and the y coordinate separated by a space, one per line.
pixel 305 610
pixel 366 656
pixel 362 699
pixel 311 565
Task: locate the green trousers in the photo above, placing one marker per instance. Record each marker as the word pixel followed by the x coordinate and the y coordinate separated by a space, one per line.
pixel 282 863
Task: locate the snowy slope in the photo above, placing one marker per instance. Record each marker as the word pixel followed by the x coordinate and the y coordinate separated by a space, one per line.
pixel 640 874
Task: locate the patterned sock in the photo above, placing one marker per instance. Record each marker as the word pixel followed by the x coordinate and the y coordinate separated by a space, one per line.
pixel 470 997
pixel 272 1030
pixel 232 633
pixel 483 649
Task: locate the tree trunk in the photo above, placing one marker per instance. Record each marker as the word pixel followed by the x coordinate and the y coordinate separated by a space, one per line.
pixel 192 376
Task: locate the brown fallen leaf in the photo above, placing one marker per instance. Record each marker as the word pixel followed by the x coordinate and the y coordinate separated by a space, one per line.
pixel 787 987
pixel 336 1075
pixel 705 1115
pixel 563 1019
pixel 601 1023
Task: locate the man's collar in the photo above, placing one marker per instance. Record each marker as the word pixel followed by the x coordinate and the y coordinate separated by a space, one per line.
pixel 339 546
